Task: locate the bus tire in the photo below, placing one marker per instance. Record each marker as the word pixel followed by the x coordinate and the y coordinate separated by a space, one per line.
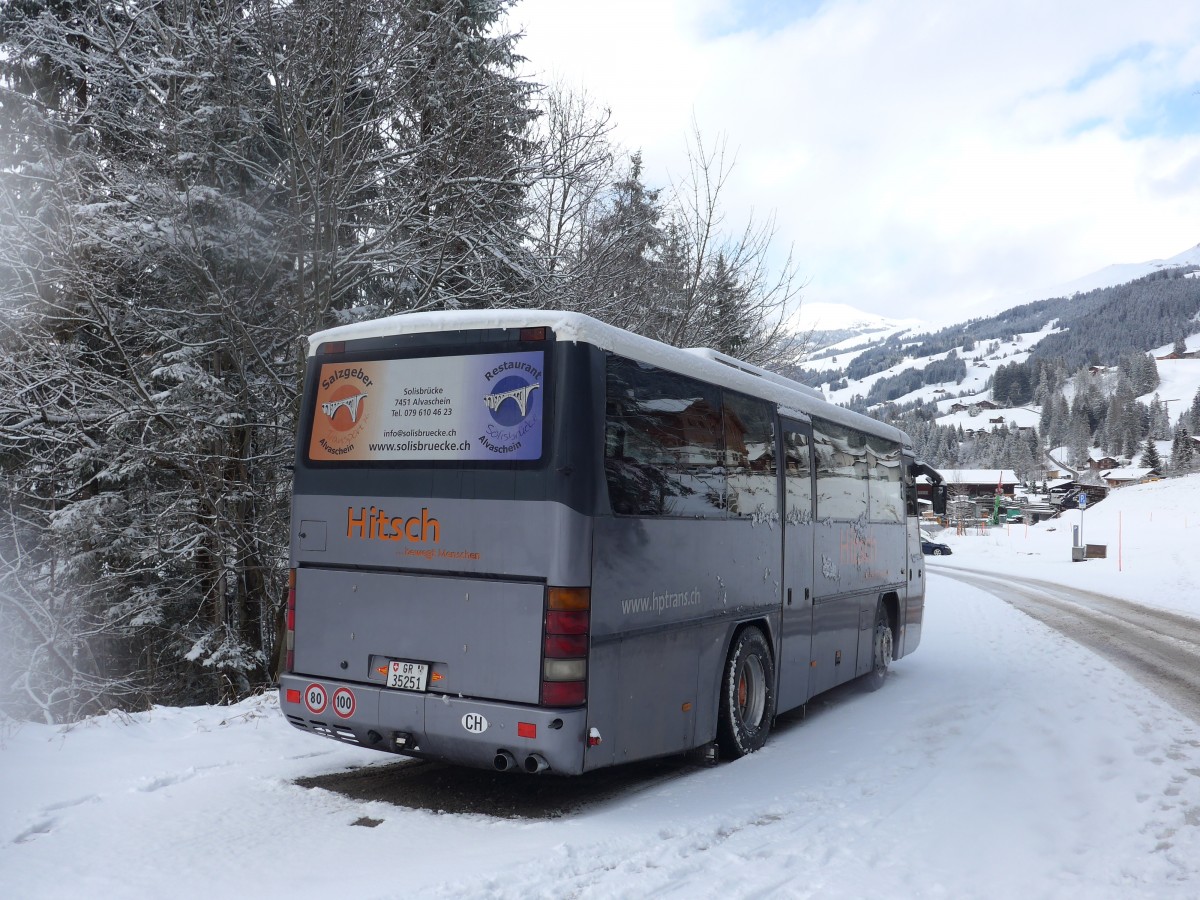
pixel 747 695
pixel 881 649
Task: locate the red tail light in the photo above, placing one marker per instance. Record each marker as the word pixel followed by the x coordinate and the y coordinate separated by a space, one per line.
pixel 290 636
pixel 566 646
pixel 565 641
pixel 564 693
pixel 573 622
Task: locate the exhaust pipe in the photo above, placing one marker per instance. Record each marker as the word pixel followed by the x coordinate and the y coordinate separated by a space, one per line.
pixel 504 761
pixel 535 764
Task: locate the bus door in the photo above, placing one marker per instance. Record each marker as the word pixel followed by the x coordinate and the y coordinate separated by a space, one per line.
pixel 795 649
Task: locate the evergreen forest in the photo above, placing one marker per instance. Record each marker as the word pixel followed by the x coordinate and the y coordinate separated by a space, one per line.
pixel 187 189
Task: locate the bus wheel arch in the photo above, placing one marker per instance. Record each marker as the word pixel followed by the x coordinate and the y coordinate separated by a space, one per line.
pixel 883 641
pixel 747 702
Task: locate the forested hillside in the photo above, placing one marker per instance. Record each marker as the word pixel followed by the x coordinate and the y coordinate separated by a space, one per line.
pixel 1096 328
pixel 1082 382
pixel 1102 326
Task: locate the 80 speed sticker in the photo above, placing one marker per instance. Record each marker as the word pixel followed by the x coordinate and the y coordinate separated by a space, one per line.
pixel 315 699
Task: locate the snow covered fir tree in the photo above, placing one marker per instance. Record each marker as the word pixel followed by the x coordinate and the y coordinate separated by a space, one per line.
pixel 187 190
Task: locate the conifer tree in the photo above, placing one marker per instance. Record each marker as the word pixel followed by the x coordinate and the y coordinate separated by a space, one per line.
pixel 195 186
pixel 1079 437
pixel 1183 451
pixel 1150 458
pixel 625 244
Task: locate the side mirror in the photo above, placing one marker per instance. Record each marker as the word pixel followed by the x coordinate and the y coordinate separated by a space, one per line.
pixel 939 498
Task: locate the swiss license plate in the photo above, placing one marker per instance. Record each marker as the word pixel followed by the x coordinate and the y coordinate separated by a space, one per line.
pixel 407 676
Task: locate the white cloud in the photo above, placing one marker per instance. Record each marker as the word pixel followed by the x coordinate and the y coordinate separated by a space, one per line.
pixel 924 158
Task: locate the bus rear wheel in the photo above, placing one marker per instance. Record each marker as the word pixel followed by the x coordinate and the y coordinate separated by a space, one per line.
pixel 882 656
pixel 747 695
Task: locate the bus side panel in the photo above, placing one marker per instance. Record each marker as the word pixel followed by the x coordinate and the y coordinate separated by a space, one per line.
pixel 890 548
pixel 657 684
pixel 854 563
pixel 912 615
pixel 667 592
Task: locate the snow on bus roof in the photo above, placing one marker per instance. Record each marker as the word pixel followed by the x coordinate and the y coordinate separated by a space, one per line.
pixel 793 397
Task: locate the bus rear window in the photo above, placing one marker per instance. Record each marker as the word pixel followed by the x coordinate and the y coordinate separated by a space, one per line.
pixel 478 407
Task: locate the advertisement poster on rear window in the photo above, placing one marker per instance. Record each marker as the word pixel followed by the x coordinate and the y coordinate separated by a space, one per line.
pixel 486 407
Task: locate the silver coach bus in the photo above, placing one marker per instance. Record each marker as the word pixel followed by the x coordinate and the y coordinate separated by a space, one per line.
pixel 532 541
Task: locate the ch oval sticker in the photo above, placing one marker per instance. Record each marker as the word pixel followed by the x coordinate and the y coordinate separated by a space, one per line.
pixel 475 723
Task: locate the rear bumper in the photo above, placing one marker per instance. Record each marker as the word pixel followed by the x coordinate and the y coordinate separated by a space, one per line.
pixel 436 725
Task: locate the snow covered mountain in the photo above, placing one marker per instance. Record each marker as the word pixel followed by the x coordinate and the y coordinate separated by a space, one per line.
pixel 842 337
pixel 979 377
pixel 830 324
pixel 833 327
pixel 1120 273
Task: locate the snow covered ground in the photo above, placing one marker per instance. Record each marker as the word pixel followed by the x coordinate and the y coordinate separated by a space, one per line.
pixel 1180 379
pixel 1000 760
pixel 1151 533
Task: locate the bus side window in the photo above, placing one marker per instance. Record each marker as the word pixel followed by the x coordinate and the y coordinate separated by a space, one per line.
pixel 886 485
pixel 841 459
pixel 797 478
pixel 663 443
pixel 910 495
pixel 752 482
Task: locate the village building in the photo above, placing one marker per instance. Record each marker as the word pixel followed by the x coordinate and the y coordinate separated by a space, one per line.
pixel 1099 461
pixel 1116 478
pixel 975 407
pixel 980 482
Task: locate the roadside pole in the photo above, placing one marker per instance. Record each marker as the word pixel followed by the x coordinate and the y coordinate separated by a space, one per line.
pixel 1082 507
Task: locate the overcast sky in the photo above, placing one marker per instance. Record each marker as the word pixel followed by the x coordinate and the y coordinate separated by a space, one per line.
pixel 926 159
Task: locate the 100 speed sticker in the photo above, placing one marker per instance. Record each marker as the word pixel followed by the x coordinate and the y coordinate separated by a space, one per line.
pixel 343 702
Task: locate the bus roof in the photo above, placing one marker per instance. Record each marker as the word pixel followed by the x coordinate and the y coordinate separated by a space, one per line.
pixel 708 365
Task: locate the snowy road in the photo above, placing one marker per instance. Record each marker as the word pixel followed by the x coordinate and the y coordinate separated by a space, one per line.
pixel 1158 647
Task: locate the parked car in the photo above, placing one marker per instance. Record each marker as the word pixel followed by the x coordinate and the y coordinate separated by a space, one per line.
pixel 933 548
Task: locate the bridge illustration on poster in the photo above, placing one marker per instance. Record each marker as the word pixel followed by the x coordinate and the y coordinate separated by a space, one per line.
pixel 351 403
pixel 520 395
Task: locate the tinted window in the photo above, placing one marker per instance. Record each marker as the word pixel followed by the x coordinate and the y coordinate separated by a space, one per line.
pixel 797 472
pixel 886 484
pixel 842 468
pixel 752 478
pixel 663 443
pixel 910 490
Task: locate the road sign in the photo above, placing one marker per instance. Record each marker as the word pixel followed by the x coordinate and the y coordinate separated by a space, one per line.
pixel 1083 500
